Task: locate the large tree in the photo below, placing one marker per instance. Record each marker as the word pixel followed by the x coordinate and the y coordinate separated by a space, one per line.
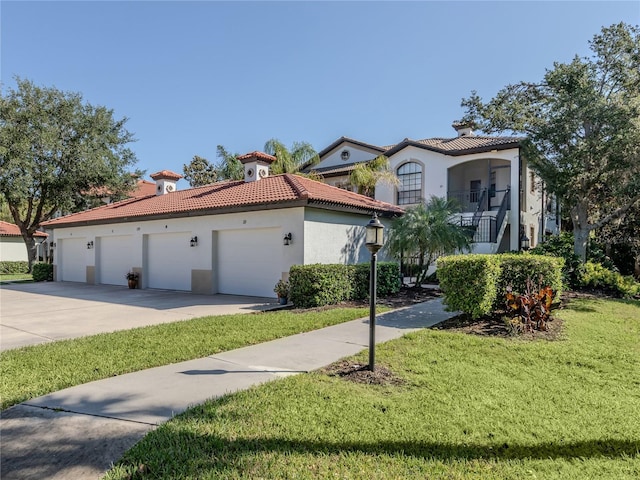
pixel 199 172
pixel 582 122
pixel 292 160
pixel 55 151
pixel 425 231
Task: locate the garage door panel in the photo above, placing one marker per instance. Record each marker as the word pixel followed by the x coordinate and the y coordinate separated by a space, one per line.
pixel 249 261
pixel 114 259
pixel 169 264
pixel 74 260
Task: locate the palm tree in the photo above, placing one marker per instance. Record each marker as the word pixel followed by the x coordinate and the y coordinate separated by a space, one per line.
pixel 229 167
pixel 425 232
pixel 365 176
pixel 300 156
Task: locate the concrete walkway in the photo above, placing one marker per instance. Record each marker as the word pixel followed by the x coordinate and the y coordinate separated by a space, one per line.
pixel 78 433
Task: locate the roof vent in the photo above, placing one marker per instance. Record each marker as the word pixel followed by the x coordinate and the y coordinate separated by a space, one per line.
pixel 256 165
pixel 165 181
pixel 464 129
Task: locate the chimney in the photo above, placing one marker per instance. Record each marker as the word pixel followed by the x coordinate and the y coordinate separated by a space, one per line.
pixel 256 165
pixel 464 129
pixel 165 181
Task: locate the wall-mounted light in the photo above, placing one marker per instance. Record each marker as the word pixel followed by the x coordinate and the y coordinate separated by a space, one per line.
pixel 194 241
pixel 53 244
pixel 288 238
pixel 90 245
pixel 525 243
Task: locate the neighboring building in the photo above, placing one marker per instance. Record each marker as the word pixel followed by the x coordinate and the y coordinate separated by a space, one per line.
pixel 500 196
pixel 233 237
pixel 12 246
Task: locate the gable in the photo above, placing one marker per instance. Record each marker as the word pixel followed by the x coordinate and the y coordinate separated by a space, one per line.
pixel 346 152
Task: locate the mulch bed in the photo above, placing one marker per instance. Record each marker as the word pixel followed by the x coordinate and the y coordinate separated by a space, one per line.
pixel 358 373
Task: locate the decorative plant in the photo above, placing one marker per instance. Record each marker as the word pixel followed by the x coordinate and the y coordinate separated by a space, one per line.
pixel 530 309
pixel 282 289
pixel 131 276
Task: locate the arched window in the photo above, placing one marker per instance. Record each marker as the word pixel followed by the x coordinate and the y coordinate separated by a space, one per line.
pixel 410 188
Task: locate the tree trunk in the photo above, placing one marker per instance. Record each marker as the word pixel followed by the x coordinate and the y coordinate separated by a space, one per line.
pixel 581 230
pixel 30 243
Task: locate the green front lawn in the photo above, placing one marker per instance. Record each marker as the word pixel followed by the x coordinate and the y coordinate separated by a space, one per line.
pixel 472 408
pixel 33 371
pixel 13 277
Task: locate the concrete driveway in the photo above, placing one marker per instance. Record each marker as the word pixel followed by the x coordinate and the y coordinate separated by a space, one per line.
pixel 33 313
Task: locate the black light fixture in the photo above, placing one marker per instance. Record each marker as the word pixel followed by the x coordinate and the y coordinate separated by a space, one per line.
pixel 374 240
pixel 194 241
pixel 53 244
pixel 288 238
pixel 90 245
pixel 525 243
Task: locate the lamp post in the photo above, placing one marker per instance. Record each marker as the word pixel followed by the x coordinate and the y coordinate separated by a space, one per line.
pixel 525 243
pixel 374 241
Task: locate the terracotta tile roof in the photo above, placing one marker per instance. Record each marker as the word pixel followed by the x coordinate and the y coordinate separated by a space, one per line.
pixel 278 190
pixel 258 156
pixel 143 188
pixel 11 230
pixel 336 170
pixel 168 174
pixel 459 145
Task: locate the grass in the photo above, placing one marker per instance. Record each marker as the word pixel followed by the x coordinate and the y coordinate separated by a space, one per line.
pixel 37 370
pixel 472 408
pixel 15 277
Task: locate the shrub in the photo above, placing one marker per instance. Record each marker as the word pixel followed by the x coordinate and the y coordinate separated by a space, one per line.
pixel 469 282
pixel 597 276
pixel 13 267
pixel 42 272
pixel 530 310
pixel 388 280
pixel 318 285
pixel 518 269
pixel 562 246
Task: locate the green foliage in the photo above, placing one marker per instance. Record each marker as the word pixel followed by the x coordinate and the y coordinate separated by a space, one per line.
pixel 229 167
pixel 388 281
pixel 469 282
pixel 581 121
pixel 477 284
pixel 318 284
pixel 42 272
pixel 366 175
pixel 199 172
pixel 518 269
pixel 328 284
pixel 7 267
pixel 300 156
pixel 282 289
pixel 597 276
pixel 56 152
pixel 425 232
pixel 561 246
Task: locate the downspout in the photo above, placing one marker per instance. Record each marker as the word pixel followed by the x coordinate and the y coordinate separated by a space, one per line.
pixel 519 196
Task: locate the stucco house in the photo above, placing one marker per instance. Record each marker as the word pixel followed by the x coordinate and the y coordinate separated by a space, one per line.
pixel 489 176
pixel 232 237
pixel 12 246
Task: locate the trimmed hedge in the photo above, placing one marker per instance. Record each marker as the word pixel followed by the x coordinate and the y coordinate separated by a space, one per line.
pixel 327 284
pixel 469 282
pixel 477 284
pixel 42 272
pixel 543 270
pixel 9 267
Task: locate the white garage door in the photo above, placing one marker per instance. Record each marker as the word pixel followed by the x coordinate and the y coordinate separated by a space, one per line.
pixel 74 259
pixel 114 259
pixel 169 263
pixel 249 261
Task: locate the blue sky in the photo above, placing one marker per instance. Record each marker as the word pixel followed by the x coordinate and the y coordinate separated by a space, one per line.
pixel 193 75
